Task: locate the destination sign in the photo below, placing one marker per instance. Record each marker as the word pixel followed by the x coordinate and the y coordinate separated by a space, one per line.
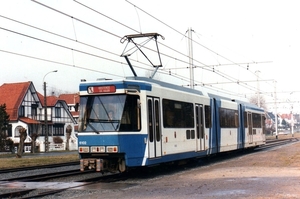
pixel 102 89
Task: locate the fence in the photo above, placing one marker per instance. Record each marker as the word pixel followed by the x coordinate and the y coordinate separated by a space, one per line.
pixel 57 147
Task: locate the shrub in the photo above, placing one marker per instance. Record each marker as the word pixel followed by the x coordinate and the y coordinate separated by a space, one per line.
pixel 57 140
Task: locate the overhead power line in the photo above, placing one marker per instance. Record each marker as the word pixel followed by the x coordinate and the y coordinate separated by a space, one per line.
pixel 106 16
pixel 72 17
pixel 59 35
pixel 56 62
pixel 221 74
pixel 179 32
pixel 115 35
pixel 67 38
pixel 56 44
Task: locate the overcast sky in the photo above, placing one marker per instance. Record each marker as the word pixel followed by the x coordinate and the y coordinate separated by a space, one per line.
pixel 233 40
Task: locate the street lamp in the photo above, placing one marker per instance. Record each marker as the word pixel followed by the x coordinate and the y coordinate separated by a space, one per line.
pixel 45 117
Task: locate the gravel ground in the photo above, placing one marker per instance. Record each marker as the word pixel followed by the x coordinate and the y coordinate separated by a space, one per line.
pixel 269 174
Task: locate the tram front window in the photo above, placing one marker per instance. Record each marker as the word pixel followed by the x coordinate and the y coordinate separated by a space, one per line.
pixel 109 113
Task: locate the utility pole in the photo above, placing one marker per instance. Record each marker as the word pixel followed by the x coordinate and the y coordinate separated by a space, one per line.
pixel 191 58
pixel 46 119
pixel 292 117
pixel 258 89
pixel 276 119
pixel 46 114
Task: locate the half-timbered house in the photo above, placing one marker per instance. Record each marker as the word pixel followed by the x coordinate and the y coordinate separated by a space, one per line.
pixel 26 110
pixel 60 124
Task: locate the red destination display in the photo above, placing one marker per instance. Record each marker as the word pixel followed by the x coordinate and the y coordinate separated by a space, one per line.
pixel 102 89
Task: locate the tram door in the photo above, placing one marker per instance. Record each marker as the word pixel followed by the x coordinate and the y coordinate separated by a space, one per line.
pixel 200 127
pixel 250 128
pixel 154 128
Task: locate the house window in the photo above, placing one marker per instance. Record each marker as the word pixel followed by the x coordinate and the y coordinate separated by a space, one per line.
pixel 33 111
pixel 57 112
pixel 9 130
pixel 58 129
pixel 22 111
pixel 44 131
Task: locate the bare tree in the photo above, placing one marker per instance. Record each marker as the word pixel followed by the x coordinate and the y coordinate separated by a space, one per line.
pixel 262 101
pixel 54 91
pixel 36 131
pixel 68 134
pixel 34 136
pixel 23 135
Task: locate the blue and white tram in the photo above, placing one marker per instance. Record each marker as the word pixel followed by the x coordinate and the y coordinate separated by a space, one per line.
pixel 142 122
pixel 253 125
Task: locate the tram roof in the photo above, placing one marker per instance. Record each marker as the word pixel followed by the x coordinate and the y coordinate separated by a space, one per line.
pixel 144 82
pixel 167 85
pixel 244 102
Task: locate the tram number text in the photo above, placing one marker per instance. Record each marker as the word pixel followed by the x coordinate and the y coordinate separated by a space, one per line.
pixel 82 142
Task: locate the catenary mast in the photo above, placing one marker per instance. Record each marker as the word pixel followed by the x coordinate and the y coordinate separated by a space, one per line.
pixel 191 58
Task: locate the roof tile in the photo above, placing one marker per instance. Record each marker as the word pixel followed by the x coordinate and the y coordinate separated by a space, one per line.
pixel 12 94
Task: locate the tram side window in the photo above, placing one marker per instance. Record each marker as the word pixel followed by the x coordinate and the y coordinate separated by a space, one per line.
pixel 177 114
pixel 245 120
pixel 257 120
pixel 228 118
pixel 264 124
pixel 207 116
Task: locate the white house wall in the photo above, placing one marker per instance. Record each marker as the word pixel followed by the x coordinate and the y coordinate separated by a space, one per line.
pixel 15 138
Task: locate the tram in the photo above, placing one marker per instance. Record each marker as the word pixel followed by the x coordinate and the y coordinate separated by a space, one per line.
pixel 140 122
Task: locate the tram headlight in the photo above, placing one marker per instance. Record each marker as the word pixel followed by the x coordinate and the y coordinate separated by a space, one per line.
pixel 112 149
pixel 84 149
pixel 97 149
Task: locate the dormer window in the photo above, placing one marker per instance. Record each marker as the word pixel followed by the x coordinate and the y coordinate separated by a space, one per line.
pixel 34 111
pixel 22 111
pixel 57 112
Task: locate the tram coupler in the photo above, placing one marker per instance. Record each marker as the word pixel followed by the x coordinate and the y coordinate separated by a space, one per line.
pixel 91 163
pixel 99 164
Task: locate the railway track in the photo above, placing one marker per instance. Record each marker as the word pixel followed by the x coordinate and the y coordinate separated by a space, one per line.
pixel 36 186
pixel 57 187
pixel 39 167
pixel 47 176
pixel 278 142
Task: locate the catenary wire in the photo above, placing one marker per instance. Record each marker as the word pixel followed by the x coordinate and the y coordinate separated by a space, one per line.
pixel 223 75
pixel 70 38
pixel 87 24
pixel 189 38
pixel 67 38
pixel 180 32
pixel 56 62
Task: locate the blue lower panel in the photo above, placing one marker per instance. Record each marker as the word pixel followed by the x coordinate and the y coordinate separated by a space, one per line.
pixel 134 162
pixel 133 146
pixel 175 157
